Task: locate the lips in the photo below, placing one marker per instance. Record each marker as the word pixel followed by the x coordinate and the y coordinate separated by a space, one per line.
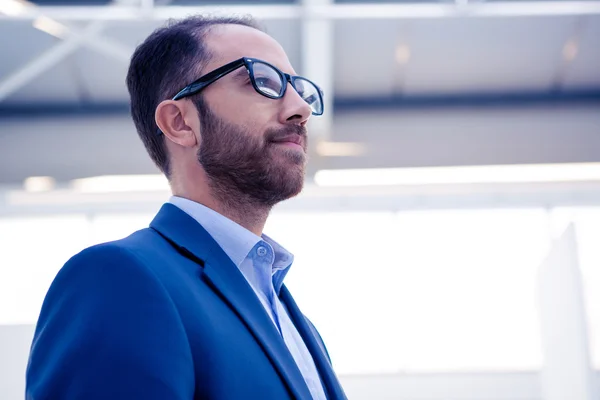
pixel 289 140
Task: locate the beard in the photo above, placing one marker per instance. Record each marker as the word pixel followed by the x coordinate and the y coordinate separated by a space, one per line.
pixel 243 167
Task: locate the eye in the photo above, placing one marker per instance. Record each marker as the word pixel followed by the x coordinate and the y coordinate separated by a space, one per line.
pixel 268 85
pixel 266 81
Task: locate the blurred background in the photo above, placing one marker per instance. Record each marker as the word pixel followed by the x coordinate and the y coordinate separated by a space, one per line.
pixel 447 240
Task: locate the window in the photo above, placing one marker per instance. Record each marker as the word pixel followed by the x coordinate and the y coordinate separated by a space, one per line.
pixel 107 227
pixel 33 250
pixel 419 291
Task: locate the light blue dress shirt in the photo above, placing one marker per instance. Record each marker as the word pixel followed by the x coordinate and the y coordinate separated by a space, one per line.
pixel 264 264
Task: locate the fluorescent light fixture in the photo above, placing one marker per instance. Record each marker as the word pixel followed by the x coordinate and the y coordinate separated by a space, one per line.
pixel 570 50
pixel 12 7
pixel 460 8
pixel 402 54
pixel 528 173
pixel 532 8
pixel 121 183
pixel 340 149
pixel 39 183
pixel 51 27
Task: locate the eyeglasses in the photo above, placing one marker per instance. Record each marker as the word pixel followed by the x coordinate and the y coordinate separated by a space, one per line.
pixel 267 80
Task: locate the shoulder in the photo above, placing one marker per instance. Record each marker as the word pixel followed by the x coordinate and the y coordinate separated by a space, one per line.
pixel 108 283
pixel 103 326
pixel 120 255
pixel 131 252
pixel 117 266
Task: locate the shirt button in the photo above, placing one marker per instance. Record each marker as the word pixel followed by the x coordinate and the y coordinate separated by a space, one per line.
pixel 261 251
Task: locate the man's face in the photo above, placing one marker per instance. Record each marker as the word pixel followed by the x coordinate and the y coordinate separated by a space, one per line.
pixel 257 164
pixel 246 140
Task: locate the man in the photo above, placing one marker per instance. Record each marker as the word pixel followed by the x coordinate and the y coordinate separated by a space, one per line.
pixel 194 307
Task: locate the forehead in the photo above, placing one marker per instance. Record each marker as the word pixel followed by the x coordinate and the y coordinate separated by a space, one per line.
pixel 230 42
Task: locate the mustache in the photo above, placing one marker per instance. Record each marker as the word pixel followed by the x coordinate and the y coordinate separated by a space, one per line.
pixel 279 134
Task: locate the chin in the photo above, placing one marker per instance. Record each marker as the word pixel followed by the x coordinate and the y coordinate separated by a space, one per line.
pixel 293 155
pixel 291 183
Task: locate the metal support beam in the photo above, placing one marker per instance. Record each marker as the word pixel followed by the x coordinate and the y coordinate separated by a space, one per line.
pixel 46 60
pixel 317 65
pixel 73 39
pixel 319 11
pixel 159 13
pixel 569 53
pixel 109 47
pixel 147 8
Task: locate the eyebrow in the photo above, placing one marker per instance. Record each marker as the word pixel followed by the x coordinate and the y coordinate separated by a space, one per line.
pixel 240 73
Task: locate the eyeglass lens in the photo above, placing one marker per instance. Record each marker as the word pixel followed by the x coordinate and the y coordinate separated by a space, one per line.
pixel 270 83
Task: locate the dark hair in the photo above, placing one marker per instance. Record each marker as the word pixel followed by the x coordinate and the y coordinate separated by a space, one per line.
pixel 170 58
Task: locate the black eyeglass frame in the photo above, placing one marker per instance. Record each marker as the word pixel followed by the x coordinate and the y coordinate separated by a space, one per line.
pixel 209 78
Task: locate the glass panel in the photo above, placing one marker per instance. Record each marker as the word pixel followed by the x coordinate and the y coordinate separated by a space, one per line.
pixel 587 228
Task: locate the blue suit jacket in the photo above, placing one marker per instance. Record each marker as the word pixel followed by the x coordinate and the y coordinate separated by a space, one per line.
pixel 165 314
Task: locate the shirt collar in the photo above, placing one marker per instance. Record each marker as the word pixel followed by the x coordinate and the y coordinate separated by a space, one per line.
pixel 281 264
pixel 235 240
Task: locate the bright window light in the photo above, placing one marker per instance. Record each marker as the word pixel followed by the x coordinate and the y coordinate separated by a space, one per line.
pixel 121 183
pixel 51 27
pixel 39 183
pixel 340 149
pixel 12 7
pixel 421 291
pixel 107 227
pixel 533 173
pixel 25 275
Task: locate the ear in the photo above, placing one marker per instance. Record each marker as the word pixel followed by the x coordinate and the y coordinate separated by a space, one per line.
pixel 178 121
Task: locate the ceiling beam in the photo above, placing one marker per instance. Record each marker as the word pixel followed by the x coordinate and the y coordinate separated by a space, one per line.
pixel 75 39
pixel 315 11
pixel 46 60
pixel 317 64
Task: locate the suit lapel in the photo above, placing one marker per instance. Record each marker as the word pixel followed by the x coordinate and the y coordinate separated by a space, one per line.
pixel 192 241
pixel 242 299
pixel 332 386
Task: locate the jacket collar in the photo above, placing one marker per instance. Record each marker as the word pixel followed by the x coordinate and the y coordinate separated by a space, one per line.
pixel 192 241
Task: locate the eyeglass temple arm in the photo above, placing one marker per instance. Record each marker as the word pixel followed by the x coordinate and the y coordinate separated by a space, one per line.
pixel 207 79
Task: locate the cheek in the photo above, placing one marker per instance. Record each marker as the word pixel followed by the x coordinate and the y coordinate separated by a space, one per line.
pixel 250 108
pixel 246 109
pixel 252 123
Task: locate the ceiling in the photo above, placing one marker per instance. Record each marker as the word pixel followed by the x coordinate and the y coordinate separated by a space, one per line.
pixel 378 61
pixel 376 58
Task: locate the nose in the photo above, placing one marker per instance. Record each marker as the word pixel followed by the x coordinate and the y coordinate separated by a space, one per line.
pixel 294 109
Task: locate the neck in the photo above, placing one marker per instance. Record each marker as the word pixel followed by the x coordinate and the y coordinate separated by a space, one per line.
pixel 238 207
